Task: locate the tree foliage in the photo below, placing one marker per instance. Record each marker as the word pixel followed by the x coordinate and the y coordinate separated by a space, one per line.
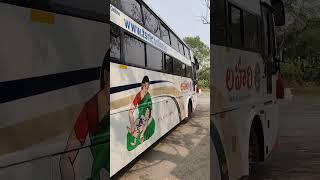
pixel 202 52
pixel 299 42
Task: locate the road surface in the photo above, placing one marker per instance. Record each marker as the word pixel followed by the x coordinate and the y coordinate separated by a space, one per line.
pixel 298 154
pixel 183 154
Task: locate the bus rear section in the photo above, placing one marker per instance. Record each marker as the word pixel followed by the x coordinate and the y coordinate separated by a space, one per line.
pixel 53 84
pixel 244 105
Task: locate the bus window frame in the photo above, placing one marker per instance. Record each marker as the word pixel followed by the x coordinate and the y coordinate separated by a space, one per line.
pixel 124 62
pixel 227 26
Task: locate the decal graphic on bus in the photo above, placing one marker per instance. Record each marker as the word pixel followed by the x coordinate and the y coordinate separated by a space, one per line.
pixel 239 77
pixel 92 121
pixel 143 127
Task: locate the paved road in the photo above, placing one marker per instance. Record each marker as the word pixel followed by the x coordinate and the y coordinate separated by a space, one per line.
pixel 298 154
pixel 183 154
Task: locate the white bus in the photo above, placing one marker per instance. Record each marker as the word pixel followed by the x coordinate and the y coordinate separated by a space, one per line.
pixel 59 118
pixel 54 89
pixel 244 69
pixel 152 80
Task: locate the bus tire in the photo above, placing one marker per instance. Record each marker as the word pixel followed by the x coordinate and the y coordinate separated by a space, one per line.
pixel 254 151
pixel 189 109
pixel 218 162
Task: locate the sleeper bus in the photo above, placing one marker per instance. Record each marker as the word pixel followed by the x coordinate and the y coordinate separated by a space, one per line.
pixel 152 80
pixel 54 89
pixel 244 76
pixel 57 120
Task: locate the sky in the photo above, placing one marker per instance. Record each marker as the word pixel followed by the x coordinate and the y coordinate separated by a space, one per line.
pixel 183 16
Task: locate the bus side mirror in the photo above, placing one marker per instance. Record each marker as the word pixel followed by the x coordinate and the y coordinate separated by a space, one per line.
pixel 279 12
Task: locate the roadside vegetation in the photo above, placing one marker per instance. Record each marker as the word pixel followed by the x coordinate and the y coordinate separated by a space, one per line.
pixel 299 46
pixel 202 52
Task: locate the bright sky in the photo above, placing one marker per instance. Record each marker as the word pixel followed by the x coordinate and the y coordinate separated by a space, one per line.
pixel 183 16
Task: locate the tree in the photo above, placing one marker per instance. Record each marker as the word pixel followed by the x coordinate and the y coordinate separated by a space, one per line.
pixel 205 18
pixel 202 52
pixel 298 41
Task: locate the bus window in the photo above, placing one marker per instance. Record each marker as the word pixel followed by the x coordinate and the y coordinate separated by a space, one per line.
pixel 235 26
pixel 183 70
pixel 115 43
pixel 189 72
pixel 272 36
pixel 268 45
pixel 181 48
pixel 174 41
pixel 218 30
pixel 177 67
pixel 186 50
pixel 154 58
pixel 250 31
pixel 165 35
pixel 168 64
pixel 266 32
pixel 151 22
pixel 115 3
pixel 134 51
pixel 133 9
pixel 18 2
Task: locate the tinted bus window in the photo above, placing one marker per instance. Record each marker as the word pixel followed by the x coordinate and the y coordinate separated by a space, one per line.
pixel 235 26
pixel 132 8
pixel 176 67
pixel 18 2
pixel 115 43
pixel 134 51
pixel 189 72
pixel 187 52
pixel 250 30
pixel 181 48
pixel 115 3
pixel 272 36
pixel 154 58
pixel 165 35
pixel 151 22
pixel 183 70
pixel 218 13
pixel 174 41
pixel 168 64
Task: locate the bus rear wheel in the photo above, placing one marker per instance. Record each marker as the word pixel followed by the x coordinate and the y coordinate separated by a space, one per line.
pixel 189 109
pixel 254 152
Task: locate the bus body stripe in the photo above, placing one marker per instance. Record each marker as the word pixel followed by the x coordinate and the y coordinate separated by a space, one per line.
pixel 132 86
pixel 22 88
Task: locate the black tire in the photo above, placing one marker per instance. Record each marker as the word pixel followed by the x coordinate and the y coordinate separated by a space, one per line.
pixel 189 109
pixel 219 149
pixel 254 151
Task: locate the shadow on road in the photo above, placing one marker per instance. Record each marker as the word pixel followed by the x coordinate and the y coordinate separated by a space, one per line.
pixel 298 153
pixel 182 154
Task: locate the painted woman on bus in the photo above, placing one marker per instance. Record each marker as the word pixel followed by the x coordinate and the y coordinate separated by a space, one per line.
pixel 141 128
pixel 92 121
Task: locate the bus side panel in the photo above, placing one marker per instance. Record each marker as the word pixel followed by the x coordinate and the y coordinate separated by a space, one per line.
pixel 236 96
pixel 164 91
pixel 165 117
pixel 36 170
pixel 37 124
